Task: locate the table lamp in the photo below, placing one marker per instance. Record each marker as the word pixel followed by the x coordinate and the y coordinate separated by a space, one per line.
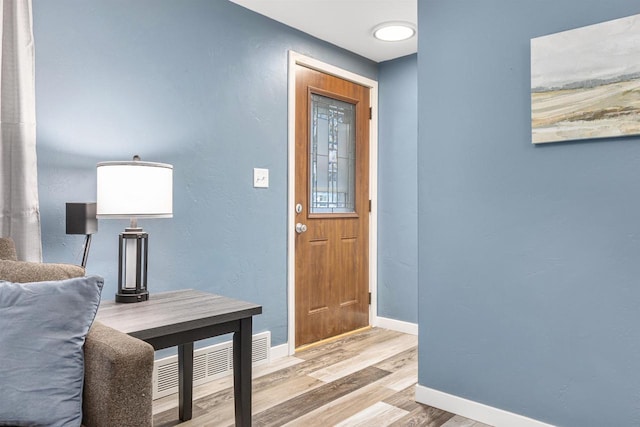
pixel 132 190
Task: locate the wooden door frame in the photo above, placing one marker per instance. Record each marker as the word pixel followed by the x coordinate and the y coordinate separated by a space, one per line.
pixel 298 59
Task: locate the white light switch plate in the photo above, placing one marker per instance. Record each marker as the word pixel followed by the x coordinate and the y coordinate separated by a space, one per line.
pixel 260 178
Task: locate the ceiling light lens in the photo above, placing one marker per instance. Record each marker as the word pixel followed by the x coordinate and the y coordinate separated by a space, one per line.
pixel 394 32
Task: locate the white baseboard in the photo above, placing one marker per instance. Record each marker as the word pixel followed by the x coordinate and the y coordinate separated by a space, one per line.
pixel 396 325
pixel 473 410
pixel 279 351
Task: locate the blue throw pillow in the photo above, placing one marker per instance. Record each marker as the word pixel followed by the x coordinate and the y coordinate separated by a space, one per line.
pixel 43 326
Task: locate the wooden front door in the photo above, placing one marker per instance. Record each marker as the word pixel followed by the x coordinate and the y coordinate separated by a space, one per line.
pixel 332 206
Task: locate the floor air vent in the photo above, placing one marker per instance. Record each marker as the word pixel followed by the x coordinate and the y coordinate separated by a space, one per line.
pixel 209 363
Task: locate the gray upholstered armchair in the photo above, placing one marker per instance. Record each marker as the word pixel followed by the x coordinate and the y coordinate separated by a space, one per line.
pixel 118 368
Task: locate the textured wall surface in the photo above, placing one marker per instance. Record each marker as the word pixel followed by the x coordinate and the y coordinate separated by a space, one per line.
pixel 199 84
pixel 397 190
pixel 529 296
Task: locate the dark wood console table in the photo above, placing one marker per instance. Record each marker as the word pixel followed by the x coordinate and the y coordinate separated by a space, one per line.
pixel 179 318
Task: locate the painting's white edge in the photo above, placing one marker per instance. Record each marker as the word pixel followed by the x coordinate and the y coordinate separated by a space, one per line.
pixel 396 325
pixel 473 410
pixel 296 58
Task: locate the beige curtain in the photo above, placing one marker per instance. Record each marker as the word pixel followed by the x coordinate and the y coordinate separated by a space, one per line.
pixel 20 217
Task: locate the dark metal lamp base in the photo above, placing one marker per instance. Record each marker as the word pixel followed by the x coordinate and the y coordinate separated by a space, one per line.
pixel 136 297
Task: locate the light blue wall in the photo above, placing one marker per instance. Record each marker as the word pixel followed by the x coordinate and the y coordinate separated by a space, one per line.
pixel 397 190
pixel 200 84
pixel 529 256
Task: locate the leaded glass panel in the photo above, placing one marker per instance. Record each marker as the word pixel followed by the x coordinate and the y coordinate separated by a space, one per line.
pixel 332 155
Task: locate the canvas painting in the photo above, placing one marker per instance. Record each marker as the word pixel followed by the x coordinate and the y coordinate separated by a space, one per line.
pixel 585 83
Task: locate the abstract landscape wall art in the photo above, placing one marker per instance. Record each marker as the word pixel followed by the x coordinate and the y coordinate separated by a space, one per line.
pixel 585 83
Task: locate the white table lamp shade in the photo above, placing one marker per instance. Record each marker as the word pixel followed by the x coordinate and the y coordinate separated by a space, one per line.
pixel 134 189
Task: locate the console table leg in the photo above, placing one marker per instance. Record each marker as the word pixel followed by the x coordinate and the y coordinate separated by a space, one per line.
pixel 185 381
pixel 242 373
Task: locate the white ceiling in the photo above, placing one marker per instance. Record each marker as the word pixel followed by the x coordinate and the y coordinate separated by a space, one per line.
pixel 345 23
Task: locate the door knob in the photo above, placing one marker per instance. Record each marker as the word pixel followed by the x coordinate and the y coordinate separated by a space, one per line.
pixel 300 228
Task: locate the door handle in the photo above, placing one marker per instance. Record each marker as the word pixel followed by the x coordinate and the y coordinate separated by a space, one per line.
pixel 300 228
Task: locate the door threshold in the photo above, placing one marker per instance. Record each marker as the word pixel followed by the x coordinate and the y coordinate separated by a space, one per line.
pixel 330 339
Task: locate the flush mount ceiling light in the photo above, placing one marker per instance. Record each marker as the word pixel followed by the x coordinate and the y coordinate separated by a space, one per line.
pixel 394 31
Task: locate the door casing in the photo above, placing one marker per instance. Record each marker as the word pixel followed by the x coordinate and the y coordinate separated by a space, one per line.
pixel 296 58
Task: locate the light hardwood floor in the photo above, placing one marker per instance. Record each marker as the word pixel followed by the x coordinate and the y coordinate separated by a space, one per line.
pixel 365 379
